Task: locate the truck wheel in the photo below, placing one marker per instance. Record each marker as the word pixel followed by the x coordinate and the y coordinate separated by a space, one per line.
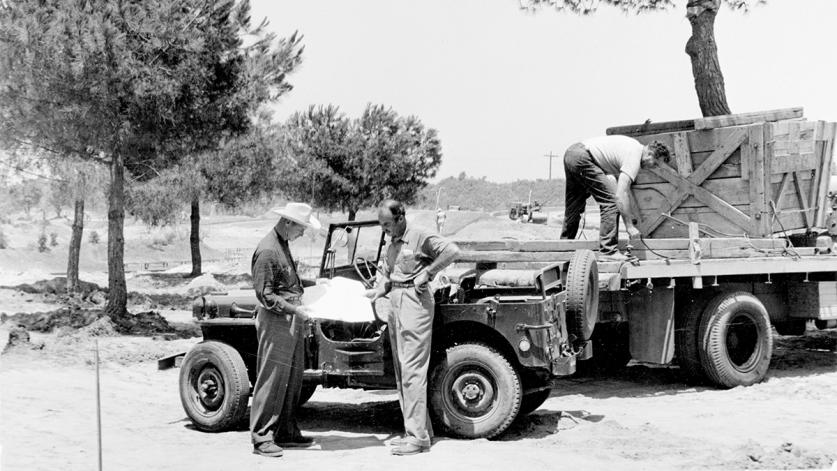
pixel 735 341
pixel 791 327
pixel 582 294
pixel 306 393
pixel 474 392
pixel 686 324
pixel 532 401
pixel 214 387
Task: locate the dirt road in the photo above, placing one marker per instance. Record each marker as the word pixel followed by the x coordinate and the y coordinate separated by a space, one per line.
pixel 640 418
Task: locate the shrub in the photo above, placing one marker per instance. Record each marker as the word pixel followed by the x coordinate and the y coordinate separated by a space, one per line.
pixel 53 239
pixel 42 243
pixel 94 237
pixel 3 242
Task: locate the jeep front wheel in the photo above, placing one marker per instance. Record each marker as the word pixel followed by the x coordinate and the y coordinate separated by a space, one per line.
pixel 214 387
pixel 474 392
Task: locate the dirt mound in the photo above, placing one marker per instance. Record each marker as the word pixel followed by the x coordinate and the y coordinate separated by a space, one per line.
pixel 19 338
pixel 151 323
pixel 785 456
pixel 57 286
pixel 51 320
pixel 93 322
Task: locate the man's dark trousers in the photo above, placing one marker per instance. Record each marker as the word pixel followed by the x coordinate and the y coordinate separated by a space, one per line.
pixel 585 179
pixel 280 364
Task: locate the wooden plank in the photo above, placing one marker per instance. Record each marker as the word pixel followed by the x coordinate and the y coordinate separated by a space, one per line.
pixel 682 156
pixel 794 163
pixel 782 188
pixel 651 128
pixel 757 137
pixel 747 118
pixel 803 203
pixel 695 251
pixel 724 267
pixel 829 133
pixel 814 192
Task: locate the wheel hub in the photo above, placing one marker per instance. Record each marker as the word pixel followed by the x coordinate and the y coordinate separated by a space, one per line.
pixel 210 388
pixel 473 393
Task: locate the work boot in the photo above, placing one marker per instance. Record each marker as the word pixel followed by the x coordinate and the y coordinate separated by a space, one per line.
pixel 267 449
pixel 299 441
pixel 406 449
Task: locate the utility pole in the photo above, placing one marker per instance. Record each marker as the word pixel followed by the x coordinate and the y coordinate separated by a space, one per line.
pixel 551 156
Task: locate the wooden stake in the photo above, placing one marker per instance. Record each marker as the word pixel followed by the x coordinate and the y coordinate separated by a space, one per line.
pixel 98 405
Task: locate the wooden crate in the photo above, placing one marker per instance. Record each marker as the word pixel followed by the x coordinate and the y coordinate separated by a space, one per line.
pixel 736 176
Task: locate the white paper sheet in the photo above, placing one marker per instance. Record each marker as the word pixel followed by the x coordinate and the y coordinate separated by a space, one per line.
pixel 339 299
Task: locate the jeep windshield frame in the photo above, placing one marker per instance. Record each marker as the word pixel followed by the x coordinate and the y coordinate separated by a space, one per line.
pixel 362 239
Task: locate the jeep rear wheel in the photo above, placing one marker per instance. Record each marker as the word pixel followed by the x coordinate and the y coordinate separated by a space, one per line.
pixel 474 392
pixel 214 388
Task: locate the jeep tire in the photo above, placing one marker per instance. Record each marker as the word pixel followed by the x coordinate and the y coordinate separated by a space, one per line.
pixel 474 392
pixel 214 387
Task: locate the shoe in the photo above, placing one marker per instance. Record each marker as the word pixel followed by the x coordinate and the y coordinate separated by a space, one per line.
pixel 299 441
pixel 406 449
pixel 397 441
pixel 267 449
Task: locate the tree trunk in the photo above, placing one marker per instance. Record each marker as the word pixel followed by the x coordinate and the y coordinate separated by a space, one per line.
pixel 117 292
pixel 701 48
pixel 194 237
pixel 352 214
pixel 75 246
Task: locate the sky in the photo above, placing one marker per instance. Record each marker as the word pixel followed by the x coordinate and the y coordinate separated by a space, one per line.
pixel 505 88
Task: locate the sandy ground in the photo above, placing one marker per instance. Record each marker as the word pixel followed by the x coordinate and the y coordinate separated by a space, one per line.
pixel 639 418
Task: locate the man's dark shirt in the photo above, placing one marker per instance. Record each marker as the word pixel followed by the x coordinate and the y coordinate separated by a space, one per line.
pixel 274 273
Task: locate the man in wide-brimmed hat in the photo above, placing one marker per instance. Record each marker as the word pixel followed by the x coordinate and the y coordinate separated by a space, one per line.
pixel 279 325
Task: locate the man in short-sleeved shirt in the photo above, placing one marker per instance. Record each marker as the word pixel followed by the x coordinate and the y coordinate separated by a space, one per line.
pixel 413 257
pixel 587 165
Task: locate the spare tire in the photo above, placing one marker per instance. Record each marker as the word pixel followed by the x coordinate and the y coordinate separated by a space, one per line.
pixel 513 214
pixel 582 295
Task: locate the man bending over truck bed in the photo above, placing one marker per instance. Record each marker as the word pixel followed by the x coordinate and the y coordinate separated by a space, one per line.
pixel 587 165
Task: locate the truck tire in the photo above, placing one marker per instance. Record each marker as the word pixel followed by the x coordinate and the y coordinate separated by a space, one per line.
pixel 306 393
pixel 582 294
pixel 735 340
pixel 686 325
pixel 532 401
pixel 791 327
pixel 474 392
pixel 214 388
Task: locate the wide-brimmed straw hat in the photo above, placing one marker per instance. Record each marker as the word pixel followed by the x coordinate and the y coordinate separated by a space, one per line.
pixel 300 213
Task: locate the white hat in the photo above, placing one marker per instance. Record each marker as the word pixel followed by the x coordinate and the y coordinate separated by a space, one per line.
pixel 300 213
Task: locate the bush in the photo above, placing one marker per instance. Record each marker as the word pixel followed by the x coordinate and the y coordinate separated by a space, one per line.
pixel 3 242
pixel 53 239
pixel 94 237
pixel 42 243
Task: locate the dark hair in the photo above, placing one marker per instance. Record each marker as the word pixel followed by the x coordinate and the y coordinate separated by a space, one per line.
pixel 659 151
pixel 394 207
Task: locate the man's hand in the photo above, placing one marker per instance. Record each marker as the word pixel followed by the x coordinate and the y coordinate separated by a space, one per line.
pixel 420 281
pixel 634 233
pixel 302 312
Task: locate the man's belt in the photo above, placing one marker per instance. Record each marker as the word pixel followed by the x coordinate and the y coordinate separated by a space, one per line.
pixel 292 299
pixel 403 284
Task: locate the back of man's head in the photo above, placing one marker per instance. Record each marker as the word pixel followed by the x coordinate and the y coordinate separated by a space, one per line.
pixel 395 207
